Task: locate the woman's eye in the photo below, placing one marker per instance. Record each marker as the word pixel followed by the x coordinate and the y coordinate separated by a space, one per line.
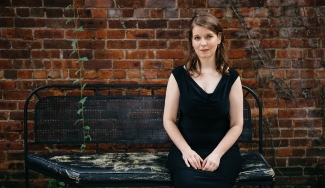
pixel 209 36
pixel 196 38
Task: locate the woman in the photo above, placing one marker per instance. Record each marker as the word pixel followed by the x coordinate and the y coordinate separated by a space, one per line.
pixel 209 96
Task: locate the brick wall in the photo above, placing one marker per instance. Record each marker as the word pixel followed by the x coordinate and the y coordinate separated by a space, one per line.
pixel 277 46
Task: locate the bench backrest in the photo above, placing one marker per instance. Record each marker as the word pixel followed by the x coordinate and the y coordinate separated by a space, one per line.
pixel 115 119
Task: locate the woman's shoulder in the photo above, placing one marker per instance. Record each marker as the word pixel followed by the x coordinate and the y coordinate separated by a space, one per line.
pixel 178 70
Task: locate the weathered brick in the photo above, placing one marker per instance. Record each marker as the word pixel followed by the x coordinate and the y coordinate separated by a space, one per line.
pixel 48 33
pixel 133 73
pixel 83 53
pixel 139 54
pixel 293 53
pixel 45 54
pixel 119 74
pixel 236 54
pixel 142 13
pixel 114 13
pixel 140 34
pixel 152 44
pixel 10 126
pixel 58 23
pixel 17 33
pixel 159 13
pixel 178 44
pixel 54 13
pixel 105 74
pixel 152 24
pixel 37 12
pixel 29 22
pixel 86 34
pixel 6 22
pixel 170 34
pixel 316 53
pixel 5 3
pixel 151 64
pixel 292 113
pixel 6 64
pixel 95 13
pixel 91 44
pixel 31 85
pixel 269 43
pixel 7 12
pixel 13 54
pixel 170 54
pixel 99 3
pixel 118 24
pixel 26 44
pixel 121 44
pixel 57 44
pixel 178 24
pixel 57 3
pixel 108 54
pixel 171 13
pixel 27 3
pixel 25 74
pixel 126 64
pixel 146 3
pixel 93 23
pixel 10 74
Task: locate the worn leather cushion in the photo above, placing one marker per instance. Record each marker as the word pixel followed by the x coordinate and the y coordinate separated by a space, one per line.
pixel 82 168
pixel 255 168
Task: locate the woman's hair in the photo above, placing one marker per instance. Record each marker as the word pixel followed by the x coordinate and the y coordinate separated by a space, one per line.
pixel 193 63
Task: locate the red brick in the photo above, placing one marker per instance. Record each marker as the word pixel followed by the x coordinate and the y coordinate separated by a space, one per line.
pixel 45 54
pixel 91 44
pixel 119 74
pixel 178 24
pixel 31 85
pixel 170 54
pixel 292 74
pixel 269 43
pixel 235 23
pixel 134 73
pixel 171 13
pixel 39 74
pixel 292 113
pixel 48 34
pixel 185 13
pixel 140 54
pixel 99 3
pixel 8 105
pixel 7 85
pixel 287 133
pixel 90 74
pixel 262 12
pixel 158 13
pixel 5 64
pixel 93 23
pixel 171 34
pixel 152 24
pixel 22 12
pixel 293 53
pixel 316 53
pixel 118 24
pixel 17 33
pixel 29 22
pixel 11 146
pixel 10 126
pixel 150 64
pixel 15 54
pixel 114 13
pixel 25 74
pixel 58 23
pixel 6 22
pixel 142 13
pixel 236 54
pixel 10 74
pixel 150 74
pixel 146 3
pixel 98 64
pixel 126 64
pixel 26 44
pixel 152 44
pixel 178 44
pixel 108 54
pixel 284 152
pixel 163 73
pixel 305 2
pixel 57 3
pixel 63 64
pixel 105 74
pixel 98 13
pixel 121 44
pixel 12 136
pixel 86 34
pixel 82 53
pixel 307 74
pixel 37 12
pixel 298 43
pixel 270 103
pixel 140 34
pixel 192 4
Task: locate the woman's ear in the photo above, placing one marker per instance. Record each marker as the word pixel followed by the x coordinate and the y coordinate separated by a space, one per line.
pixel 219 36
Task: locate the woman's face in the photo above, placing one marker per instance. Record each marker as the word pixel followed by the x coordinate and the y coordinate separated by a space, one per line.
pixel 205 42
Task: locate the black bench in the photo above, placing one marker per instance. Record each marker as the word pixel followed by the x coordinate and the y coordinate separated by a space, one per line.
pixel 118 115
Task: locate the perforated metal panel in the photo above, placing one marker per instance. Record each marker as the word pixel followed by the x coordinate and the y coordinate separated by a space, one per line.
pixel 116 119
pixel 246 135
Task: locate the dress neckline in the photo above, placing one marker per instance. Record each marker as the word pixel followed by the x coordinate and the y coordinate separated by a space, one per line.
pixel 200 86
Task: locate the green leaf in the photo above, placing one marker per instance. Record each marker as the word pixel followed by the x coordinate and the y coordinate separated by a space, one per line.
pixel 61 183
pixel 87 127
pixel 74 51
pixel 73 44
pixel 68 7
pixel 68 20
pixel 82 101
pixel 76 73
pixel 80 110
pixel 83 87
pixel 88 136
pixel 78 29
pixel 77 121
pixel 76 81
pixel 50 150
pixel 82 59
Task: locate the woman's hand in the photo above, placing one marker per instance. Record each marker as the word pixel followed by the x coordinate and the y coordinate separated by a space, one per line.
pixel 211 163
pixel 191 158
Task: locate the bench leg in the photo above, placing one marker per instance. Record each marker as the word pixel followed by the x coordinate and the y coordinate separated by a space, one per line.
pixel 26 177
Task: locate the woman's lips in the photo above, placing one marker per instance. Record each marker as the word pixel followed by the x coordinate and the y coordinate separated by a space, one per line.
pixel 204 50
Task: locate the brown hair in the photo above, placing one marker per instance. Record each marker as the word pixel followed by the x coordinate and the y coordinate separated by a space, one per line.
pixel 193 63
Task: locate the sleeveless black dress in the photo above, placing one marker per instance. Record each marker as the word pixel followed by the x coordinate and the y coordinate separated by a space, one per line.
pixel 204 121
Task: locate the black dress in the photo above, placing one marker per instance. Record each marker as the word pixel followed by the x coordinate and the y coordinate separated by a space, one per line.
pixel 204 121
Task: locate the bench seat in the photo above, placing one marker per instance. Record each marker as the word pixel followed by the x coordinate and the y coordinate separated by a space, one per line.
pixel 121 168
